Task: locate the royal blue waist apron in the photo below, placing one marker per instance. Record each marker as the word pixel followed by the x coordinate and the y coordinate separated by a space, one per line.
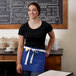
pixel 33 59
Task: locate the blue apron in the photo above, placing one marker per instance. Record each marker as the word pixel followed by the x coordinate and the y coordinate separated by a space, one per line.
pixel 33 60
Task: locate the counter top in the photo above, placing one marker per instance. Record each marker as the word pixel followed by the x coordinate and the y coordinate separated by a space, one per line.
pixel 52 53
pixel 58 52
pixel 2 52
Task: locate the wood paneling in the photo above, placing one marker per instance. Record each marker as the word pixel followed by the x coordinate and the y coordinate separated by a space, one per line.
pixel 8 57
pixel 53 62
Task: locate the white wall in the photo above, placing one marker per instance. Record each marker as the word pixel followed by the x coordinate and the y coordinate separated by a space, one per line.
pixel 8 33
pixel 67 38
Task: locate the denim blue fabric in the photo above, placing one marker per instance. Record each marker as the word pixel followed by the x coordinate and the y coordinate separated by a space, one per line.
pixel 26 73
pixel 29 73
pixel 38 62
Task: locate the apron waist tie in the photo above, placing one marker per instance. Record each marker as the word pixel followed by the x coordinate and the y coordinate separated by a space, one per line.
pixel 34 51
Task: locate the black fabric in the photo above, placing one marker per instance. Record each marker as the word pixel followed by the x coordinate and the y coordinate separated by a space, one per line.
pixel 35 37
pixel 7 68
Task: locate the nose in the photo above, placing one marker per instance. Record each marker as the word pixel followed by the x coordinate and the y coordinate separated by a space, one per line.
pixel 31 11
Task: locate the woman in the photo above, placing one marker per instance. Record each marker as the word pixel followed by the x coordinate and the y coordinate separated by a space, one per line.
pixel 31 55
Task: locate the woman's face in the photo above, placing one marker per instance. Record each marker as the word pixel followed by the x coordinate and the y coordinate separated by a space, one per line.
pixel 32 12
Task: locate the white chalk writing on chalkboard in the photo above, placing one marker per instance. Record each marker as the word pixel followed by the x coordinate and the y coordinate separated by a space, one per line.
pixel 15 11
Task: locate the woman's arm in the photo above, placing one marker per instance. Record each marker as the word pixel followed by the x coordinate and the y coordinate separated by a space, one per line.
pixel 19 53
pixel 51 42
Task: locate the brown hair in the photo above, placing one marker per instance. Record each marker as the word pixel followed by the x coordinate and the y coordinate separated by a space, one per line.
pixel 37 6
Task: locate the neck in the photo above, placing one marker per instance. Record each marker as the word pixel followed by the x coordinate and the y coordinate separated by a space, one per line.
pixel 34 20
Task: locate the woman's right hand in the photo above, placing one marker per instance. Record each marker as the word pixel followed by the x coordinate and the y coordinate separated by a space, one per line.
pixel 19 68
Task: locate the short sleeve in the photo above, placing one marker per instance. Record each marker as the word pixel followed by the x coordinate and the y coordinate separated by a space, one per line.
pixel 21 31
pixel 49 28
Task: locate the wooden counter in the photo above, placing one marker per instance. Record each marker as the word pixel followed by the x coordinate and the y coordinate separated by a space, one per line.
pixel 52 62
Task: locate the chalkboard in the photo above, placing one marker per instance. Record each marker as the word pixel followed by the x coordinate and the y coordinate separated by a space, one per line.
pixel 15 11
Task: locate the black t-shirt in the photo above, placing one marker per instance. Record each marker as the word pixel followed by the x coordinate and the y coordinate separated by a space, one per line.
pixel 35 37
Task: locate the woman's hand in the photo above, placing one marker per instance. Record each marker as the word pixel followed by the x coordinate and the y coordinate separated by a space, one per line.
pixel 19 68
pixel 47 53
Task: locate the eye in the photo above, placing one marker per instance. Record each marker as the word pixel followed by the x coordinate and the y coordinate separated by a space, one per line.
pixel 34 9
